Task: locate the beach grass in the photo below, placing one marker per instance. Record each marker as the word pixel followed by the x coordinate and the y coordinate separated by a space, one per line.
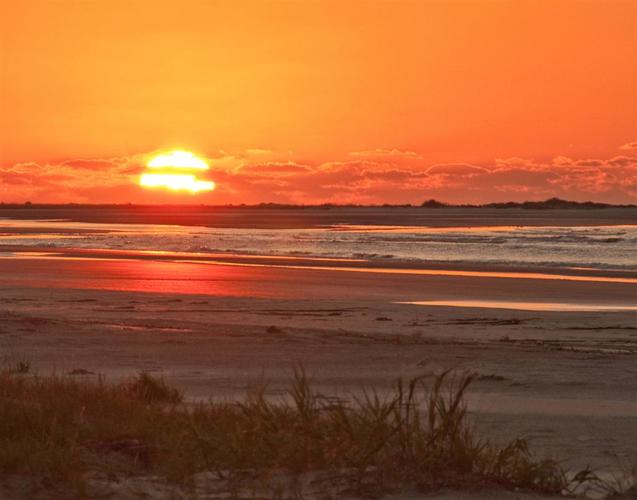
pixel 62 429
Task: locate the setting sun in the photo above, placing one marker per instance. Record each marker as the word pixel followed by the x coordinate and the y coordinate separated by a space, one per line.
pixel 177 159
pixel 169 179
pixel 176 182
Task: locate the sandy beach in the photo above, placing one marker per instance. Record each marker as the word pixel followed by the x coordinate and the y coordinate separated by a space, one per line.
pixel 540 305
pixel 564 378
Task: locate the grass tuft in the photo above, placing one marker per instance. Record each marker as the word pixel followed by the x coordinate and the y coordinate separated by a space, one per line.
pixel 145 387
pixel 64 429
pixel 22 367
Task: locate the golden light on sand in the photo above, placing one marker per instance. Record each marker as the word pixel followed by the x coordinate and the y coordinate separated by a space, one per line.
pixel 170 176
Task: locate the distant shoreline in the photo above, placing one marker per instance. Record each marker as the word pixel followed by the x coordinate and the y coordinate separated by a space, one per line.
pixel 272 216
pixel 549 204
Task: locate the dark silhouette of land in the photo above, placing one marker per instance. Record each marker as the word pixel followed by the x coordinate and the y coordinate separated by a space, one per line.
pixel 549 204
pixel 432 213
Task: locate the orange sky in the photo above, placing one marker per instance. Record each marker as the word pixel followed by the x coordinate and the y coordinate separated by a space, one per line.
pixel 313 101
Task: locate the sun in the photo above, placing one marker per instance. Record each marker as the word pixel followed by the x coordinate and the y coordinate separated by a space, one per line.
pixel 172 171
pixel 177 159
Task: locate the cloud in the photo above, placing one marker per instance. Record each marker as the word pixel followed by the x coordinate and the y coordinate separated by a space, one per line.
pixel 275 169
pixel 67 181
pixel 387 153
pixel 259 152
pixel 261 176
pixel 460 169
pixel 629 146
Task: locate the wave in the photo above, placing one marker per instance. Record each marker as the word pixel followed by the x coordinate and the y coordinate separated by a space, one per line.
pixel 595 247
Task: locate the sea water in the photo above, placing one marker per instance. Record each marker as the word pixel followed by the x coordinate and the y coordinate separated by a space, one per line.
pixel 607 247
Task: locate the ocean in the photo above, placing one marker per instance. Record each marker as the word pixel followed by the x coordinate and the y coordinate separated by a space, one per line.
pixel 523 238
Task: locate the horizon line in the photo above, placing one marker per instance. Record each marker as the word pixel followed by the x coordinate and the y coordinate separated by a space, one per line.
pixel 550 203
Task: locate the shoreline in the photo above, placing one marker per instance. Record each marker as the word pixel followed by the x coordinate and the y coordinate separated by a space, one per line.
pixel 476 269
pixel 278 277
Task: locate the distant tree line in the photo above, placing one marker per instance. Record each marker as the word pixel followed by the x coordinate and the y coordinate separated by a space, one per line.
pixel 550 204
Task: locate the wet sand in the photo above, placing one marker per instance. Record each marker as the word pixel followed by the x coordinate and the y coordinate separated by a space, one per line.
pixel 567 380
